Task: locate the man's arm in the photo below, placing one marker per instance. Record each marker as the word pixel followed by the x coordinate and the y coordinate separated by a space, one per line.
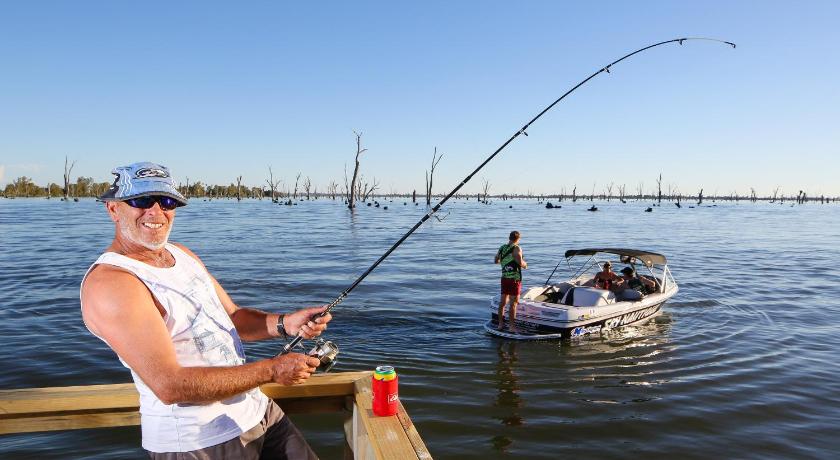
pixel 252 324
pixel 119 308
pixel 517 256
pixel 498 257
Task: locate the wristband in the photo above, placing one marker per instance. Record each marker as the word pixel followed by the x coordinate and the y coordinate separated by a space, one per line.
pixel 281 329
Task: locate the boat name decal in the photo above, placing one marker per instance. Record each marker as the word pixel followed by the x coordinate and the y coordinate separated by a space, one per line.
pixel 631 317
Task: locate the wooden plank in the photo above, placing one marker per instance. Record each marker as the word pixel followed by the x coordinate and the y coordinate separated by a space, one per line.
pixel 386 434
pixel 338 384
pixel 68 422
pixel 125 396
pixel 58 399
pixel 413 436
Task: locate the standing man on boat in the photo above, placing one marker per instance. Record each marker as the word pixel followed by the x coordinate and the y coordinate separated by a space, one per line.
pixel 509 256
pixel 174 326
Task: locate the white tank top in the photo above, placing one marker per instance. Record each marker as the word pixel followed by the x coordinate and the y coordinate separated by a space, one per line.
pixel 203 336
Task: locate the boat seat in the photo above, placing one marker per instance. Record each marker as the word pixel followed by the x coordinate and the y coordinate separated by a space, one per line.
pixel 588 297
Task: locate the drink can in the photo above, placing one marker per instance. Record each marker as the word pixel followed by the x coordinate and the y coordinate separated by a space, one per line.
pixel 385 395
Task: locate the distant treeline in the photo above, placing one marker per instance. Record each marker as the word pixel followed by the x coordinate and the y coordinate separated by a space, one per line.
pixel 86 187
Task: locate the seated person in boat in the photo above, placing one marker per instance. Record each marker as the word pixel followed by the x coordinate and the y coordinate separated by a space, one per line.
pixel 634 287
pixel 606 278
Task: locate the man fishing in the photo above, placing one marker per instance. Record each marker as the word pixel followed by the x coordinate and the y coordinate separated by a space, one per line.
pixel 173 325
pixel 509 256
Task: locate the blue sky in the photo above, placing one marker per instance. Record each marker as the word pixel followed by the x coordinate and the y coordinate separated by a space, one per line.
pixel 217 90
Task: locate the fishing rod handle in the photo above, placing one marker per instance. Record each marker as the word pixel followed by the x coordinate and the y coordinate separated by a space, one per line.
pixel 291 345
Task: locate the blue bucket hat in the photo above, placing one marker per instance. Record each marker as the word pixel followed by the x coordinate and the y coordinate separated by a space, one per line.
pixel 142 179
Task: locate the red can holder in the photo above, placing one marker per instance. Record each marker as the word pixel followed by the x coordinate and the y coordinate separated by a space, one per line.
pixel 386 398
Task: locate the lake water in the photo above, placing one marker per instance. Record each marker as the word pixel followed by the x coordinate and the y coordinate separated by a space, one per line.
pixel 741 364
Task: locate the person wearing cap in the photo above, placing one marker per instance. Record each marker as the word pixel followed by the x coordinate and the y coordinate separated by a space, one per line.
pixel 606 278
pixel 509 256
pixel 180 334
pixel 634 287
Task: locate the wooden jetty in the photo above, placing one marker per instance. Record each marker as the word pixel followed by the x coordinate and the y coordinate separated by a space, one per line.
pixel 99 406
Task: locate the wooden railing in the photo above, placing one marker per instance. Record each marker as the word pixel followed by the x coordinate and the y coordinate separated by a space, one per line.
pixel 100 406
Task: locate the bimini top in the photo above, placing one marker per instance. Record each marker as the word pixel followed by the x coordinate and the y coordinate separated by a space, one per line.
pixel 647 258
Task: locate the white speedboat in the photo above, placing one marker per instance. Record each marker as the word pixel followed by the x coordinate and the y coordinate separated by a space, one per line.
pixel 575 307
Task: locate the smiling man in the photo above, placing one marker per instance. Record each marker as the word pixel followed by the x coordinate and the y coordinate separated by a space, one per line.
pixel 174 326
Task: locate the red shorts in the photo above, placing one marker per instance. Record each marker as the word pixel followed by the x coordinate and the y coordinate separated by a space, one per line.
pixel 511 286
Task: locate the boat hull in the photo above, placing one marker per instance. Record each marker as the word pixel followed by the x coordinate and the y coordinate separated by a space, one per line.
pixel 543 321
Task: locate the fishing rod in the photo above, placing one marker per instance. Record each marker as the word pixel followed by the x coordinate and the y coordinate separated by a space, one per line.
pixel 289 346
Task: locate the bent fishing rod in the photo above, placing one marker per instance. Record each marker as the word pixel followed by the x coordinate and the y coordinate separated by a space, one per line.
pixel 522 131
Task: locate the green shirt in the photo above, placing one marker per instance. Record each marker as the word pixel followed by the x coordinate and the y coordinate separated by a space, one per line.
pixel 510 268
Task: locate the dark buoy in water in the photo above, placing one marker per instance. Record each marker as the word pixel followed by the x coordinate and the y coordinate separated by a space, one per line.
pixel 593 208
pixel 649 210
pixel 385 207
pixel 369 204
pixel 510 207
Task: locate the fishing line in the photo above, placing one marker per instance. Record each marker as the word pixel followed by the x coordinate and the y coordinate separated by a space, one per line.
pixel 289 346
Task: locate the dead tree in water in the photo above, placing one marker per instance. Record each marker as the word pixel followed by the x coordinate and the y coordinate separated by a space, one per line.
pixel 659 187
pixel 272 184
pixel 574 194
pixel 67 172
pixel 239 188
pixel 700 197
pixel 621 190
pixel 753 198
pixel 640 189
pixel 297 179
pixel 775 194
pixel 430 176
pixel 486 189
pixel 366 189
pixel 414 196
pixel 351 198
pixel 307 187
pixel 609 191
pixel 332 189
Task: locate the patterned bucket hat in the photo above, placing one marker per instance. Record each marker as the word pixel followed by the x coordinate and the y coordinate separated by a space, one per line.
pixel 142 179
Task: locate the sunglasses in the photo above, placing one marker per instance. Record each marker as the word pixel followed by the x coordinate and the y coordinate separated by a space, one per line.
pixel 145 202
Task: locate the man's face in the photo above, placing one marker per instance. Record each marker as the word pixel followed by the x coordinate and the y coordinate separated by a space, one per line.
pixel 148 228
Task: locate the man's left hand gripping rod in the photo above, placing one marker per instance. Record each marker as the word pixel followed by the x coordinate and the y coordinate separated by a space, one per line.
pixel 289 346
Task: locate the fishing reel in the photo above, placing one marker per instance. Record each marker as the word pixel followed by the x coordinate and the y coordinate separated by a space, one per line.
pixel 326 352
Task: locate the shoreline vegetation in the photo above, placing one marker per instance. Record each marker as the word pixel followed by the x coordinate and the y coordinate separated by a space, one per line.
pixel 361 190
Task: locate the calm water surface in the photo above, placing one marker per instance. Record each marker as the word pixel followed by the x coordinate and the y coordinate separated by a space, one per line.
pixel 741 364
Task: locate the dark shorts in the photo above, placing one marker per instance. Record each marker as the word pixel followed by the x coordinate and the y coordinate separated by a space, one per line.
pixel 511 286
pixel 275 437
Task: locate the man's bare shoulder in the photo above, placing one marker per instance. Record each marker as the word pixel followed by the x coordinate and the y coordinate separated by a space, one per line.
pixel 188 251
pixel 108 286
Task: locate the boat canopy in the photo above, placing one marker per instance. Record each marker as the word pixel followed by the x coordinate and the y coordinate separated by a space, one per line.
pixel 647 258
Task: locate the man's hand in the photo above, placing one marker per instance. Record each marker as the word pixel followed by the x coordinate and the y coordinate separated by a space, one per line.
pixel 301 322
pixel 292 368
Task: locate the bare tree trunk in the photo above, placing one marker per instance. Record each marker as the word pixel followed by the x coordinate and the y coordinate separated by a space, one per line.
pixel 297 179
pixel 430 177
pixel 67 172
pixel 700 198
pixel 486 189
pixel 414 196
pixel 659 187
pixel 351 200
pixel 272 184
pixel 239 188
pixel 574 194
pixel 609 191
pixel 307 187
